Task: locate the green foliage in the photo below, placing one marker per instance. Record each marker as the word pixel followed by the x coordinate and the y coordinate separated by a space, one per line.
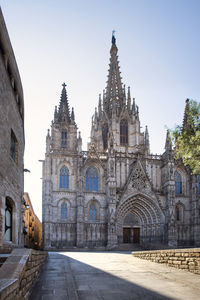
pixel 187 138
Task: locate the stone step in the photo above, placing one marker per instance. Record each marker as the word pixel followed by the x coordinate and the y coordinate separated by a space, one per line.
pixel 130 247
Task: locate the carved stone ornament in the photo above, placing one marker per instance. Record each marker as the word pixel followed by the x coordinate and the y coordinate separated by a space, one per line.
pixel 139 180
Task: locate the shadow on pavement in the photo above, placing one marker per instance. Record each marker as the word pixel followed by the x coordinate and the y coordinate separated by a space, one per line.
pixel 63 277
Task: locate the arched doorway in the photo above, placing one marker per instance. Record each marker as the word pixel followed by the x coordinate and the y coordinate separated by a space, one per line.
pixel 140 220
pixel 131 229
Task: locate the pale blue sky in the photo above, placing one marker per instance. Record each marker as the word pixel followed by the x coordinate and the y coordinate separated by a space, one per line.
pixel 57 40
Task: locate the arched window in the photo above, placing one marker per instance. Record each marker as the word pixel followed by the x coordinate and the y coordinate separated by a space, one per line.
pixel 178 183
pixel 92 212
pixel 64 139
pixel 105 136
pixel 198 184
pixel 8 220
pixel 64 177
pixel 91 179
pixel 123 132
pixel 179 212
pixel 64 211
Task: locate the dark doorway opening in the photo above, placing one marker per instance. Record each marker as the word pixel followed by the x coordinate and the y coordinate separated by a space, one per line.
pixel 136 235
pixel 131 235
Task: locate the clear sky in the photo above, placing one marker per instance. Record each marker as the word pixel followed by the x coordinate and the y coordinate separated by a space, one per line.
pixel 60 40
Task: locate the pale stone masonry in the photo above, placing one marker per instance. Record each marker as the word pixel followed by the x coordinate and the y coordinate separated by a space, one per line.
pixel 117 191
pixel 11 144
pixel 187 259
pixel 19 272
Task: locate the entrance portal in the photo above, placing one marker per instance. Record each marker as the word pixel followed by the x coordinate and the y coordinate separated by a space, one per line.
pixel 131 235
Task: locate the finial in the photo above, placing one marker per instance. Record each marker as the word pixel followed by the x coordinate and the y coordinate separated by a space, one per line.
pixel 64 85
pixel 113 38
pixel 72 114
pixel 168 142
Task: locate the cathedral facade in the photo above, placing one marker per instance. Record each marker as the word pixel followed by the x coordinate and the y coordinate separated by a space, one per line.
pixel 117 191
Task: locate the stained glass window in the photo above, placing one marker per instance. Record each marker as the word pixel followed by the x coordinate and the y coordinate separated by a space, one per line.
pixel 92 212
pixel 178 183
pixel 64 177
pixel 91 179
pixel 123 132
pixel 64 139
pixel 64 211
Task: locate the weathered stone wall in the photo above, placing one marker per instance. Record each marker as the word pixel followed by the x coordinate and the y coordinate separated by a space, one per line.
pixel 19 272
pixel 187 259
pixel 11 121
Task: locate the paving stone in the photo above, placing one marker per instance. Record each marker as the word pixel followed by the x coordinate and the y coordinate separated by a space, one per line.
pixel 112 276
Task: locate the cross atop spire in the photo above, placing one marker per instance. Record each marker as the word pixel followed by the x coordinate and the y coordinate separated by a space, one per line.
pixel 64 84
pixel 113 38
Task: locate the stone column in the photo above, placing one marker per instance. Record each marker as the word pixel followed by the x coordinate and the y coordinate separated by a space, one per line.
pixel 111 196
pixel 80 208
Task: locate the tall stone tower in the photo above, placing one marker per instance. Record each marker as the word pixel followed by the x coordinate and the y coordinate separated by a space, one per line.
pixel 60 171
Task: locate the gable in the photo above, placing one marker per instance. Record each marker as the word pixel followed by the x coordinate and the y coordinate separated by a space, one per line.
pixel 138 183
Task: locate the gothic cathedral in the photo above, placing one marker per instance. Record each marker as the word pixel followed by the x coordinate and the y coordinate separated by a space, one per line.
pixel 115 192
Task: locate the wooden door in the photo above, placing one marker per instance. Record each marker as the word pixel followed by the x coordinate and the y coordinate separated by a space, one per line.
pixel 126 235
pixel 136 235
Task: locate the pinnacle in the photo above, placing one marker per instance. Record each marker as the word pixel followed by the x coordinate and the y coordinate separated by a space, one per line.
pixel 185 118
pixel 114 89
pixel 63 113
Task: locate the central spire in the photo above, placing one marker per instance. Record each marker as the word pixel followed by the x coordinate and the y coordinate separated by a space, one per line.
pixel 114 90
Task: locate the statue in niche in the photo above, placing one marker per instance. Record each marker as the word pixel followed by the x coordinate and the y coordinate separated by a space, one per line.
pixel 112 167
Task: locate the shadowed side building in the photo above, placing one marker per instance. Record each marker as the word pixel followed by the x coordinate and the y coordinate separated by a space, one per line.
pixel 11 145
pixel 32 226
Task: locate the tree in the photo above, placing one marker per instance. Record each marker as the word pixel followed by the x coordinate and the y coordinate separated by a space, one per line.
pixel 186 138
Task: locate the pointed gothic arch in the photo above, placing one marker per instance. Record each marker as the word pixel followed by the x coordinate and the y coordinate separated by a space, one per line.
pixel 123 132
pixel 63 211
pixel 93 210
pixel 178 183
pixel 64 138
pixel 179 212
pixel 92 179
pixel 93 213
pixel 148 213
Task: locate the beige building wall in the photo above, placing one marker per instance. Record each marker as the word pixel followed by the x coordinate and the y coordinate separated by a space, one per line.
pixel 32 227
